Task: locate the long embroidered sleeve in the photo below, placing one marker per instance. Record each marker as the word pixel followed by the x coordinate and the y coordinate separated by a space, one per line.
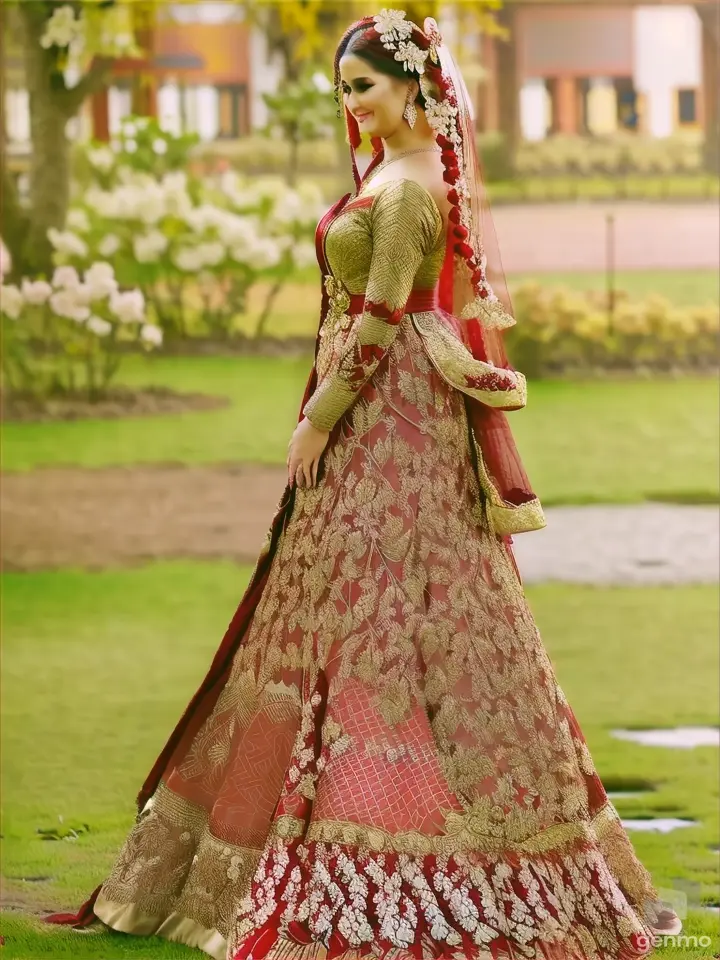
pixel 405 225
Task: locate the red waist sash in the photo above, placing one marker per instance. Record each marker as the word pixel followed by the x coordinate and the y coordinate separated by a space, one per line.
pixel 418 301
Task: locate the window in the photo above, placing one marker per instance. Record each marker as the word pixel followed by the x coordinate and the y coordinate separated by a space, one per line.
pixel 207 11
pixel 687 107
pixel 119 104
pixel 628 116
pixel 17 115
pixel 232 112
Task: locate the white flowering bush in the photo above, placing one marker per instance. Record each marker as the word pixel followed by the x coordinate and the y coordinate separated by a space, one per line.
pixel 140 145
pixel 67 336
pixel 194 246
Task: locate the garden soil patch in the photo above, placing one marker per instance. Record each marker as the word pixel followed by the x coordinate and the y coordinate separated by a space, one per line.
pixel 119 402
pixel 115 516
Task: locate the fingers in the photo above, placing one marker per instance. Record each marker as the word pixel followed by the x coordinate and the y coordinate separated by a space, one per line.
pixel 303 474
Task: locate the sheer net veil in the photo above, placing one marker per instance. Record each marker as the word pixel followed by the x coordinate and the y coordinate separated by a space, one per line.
pixel 473 288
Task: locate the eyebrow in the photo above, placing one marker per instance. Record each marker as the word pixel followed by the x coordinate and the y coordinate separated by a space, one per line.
pixel 353 79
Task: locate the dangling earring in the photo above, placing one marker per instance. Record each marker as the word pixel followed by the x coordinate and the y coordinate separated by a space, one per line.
pixel 410 111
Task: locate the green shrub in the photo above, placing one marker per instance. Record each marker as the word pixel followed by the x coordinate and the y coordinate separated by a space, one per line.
pixel 560 331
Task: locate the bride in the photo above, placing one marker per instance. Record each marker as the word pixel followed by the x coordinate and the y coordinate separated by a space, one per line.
pixel 380 761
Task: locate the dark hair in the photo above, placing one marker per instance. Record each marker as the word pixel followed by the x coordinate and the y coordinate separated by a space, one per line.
pixel 366 45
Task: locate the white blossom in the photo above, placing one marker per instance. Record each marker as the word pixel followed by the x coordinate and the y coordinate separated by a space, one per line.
pixel 232 187
pixel 11 301
pixel 99 326
pixel 36 292
pixel 151 334
pixel 303 254
pixel 160 146
pixel 321 82
pixel 211 254
pixel 5 260
pixel 187 259
pixel 131 146
pixel 102 158
pixel 61 29
pixel 234 229
pixel 77 219
pixel 68 243
pixel 128 307
pixel 83 294
pixel 266 253
pixel 115 145
pixel 149 247
pixel 65 277
pixel 109 245
pixel 65 304
pixel 152 206
pixel 130 129
pixel 100 279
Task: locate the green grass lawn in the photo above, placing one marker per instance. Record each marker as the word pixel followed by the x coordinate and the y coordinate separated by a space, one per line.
pixel 98 667
pixel 582 442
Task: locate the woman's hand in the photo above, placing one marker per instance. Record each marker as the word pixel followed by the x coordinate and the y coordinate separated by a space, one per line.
pixel 304 451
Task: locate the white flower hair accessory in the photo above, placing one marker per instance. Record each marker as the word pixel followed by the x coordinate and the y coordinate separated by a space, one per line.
pixel 392 26
pixel 394 30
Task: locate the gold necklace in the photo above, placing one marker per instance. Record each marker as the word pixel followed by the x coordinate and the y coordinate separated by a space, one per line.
pixel 406 153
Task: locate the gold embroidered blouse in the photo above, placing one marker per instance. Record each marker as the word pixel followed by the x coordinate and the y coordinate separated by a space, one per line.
pixel 385 244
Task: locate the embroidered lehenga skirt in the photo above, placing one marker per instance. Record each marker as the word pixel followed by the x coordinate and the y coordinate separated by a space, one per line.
pixel 391 768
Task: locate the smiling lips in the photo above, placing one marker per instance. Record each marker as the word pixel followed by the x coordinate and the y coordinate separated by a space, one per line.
pixel 362 116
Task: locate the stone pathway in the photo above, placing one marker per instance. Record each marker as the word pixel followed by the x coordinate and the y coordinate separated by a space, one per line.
pixel 114 517
pixel 647 543
pixel 572 236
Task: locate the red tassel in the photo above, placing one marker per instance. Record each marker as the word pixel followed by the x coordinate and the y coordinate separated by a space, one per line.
pixel 477 276
pixel 353 130
pixel 461 232
pixel 454 215
pixel 453 197
pixel 464 249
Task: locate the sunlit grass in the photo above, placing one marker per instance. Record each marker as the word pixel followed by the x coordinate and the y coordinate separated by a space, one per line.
pixel 98 667
pixel 582 441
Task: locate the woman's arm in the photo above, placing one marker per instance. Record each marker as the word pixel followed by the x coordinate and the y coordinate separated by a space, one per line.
pixel 405 225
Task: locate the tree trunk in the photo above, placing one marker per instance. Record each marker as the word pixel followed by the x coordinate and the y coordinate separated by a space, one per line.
pixel 14 218
pixel 508 82
pixel 50 161
pixel 709 15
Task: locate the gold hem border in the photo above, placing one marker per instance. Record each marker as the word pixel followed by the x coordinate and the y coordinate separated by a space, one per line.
pixel 128 918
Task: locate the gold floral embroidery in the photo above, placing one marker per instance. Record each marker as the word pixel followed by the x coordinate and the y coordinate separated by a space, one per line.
pixel 403 239
pixel 335 326
pixel 390 698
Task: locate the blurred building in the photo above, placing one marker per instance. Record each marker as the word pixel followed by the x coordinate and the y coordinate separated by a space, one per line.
pixel 571 67
pixel 592 68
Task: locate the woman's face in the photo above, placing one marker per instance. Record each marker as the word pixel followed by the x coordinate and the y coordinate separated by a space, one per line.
pixel 376 100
